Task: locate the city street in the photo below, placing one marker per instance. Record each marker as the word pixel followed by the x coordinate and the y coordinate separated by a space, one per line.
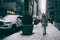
pixel 18 15
pixel 52 34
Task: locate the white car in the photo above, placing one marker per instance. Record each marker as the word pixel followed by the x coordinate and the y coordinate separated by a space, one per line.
pixel 10 22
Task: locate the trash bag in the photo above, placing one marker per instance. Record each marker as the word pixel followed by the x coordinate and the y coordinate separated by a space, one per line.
pixel 36 21
pixel 51 21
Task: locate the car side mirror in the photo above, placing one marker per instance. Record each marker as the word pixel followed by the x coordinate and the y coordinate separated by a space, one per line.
pixel 19 18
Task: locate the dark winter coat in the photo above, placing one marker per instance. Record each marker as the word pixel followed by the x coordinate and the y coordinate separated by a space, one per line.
pixel 44 21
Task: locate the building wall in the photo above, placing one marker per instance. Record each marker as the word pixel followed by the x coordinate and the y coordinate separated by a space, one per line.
pixel 51 8
pixel 39 9
pixel 57 13
pixel 3 12
pixel 54 9
pixel 20 7
pixel 35 10
pixel 13 5
pixel 10 5
pixel 30 8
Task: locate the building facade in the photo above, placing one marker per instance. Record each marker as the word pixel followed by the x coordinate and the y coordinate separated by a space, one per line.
pixel 9 7
pixel 20 6
pixel 13 6
pixel 51 9
pixel 57 13
pixel 37 10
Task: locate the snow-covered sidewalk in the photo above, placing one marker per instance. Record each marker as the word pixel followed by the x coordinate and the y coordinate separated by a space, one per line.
pixel 52 34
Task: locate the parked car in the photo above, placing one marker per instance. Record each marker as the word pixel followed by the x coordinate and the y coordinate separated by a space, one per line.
pixel 10 22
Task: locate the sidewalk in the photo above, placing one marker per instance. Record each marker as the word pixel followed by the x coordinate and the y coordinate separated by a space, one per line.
pixel 52 34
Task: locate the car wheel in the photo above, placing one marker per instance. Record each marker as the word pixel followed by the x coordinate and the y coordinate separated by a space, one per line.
pixel 13 28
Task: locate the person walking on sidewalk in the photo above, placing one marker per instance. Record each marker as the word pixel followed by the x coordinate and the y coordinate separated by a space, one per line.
pixel 44 23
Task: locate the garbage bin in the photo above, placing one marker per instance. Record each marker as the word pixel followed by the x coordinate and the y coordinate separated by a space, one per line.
pixel 27 29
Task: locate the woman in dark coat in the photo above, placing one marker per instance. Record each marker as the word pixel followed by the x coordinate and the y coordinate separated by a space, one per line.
pixel 44 23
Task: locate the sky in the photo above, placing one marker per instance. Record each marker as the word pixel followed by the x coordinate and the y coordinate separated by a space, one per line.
pixel 42 5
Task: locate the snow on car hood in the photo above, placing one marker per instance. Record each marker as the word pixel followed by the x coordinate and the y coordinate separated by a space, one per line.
pixel 6 20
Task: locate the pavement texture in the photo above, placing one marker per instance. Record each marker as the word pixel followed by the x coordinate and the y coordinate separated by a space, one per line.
pixel 52 34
